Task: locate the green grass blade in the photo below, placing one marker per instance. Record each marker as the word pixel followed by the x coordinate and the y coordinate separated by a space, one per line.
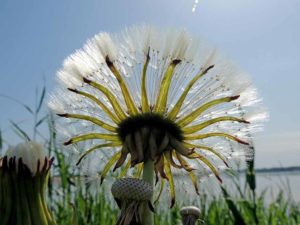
pixel 233 208
pixel 21 133
pixel 42 97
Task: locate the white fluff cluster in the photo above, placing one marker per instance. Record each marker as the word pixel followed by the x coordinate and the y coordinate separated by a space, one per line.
pixel 30 152
pixel 128 52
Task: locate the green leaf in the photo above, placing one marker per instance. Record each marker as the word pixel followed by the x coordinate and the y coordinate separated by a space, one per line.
pixel 249 211
pixel 28 108
pixel 74 216
pixel 41 100
pixel 233 208
pixel 22 134
pixel 41 121
pixel 17 101
pixel 1 141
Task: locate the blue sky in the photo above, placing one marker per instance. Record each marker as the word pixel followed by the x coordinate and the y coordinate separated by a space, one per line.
pixel 262 37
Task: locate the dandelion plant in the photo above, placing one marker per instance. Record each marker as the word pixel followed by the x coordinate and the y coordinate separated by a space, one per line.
pixel 158 101
pixel 24 172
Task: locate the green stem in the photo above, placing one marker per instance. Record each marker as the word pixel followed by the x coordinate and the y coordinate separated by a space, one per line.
pixel 148 175
pixel 6 197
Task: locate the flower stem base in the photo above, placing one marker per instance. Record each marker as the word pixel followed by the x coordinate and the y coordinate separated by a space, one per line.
pixel 148 175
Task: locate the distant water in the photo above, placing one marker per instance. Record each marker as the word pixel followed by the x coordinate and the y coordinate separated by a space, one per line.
pixel 289 182
pixel 273 183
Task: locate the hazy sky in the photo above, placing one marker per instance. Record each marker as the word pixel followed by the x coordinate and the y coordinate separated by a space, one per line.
pixel 262 37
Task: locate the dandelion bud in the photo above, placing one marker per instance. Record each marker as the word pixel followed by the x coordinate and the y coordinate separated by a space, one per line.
pixel 130 194
pixel 190 215
pixel 24 172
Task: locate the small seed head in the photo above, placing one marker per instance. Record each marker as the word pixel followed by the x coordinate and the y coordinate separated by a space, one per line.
pixel 190 210
pixel 132 189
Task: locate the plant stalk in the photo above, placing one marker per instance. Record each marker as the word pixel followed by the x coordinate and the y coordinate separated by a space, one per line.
pixel 148 175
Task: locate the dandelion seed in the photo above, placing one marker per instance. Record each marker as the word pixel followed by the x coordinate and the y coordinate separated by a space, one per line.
pixel 155 95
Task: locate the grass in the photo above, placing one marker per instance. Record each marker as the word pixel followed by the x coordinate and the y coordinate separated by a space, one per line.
pixel 97 208
pixel 75 202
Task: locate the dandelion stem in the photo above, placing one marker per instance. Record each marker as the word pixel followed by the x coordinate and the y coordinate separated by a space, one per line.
pixel 148 175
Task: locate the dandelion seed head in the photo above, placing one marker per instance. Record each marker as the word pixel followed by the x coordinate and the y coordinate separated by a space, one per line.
pixel 31 153
pixel 159 94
